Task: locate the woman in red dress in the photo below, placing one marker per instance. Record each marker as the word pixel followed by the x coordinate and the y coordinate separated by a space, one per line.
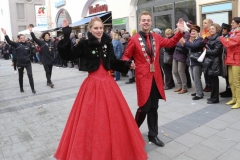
pixel 100 125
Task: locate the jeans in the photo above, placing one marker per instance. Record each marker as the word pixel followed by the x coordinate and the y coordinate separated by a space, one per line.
pixel 117 75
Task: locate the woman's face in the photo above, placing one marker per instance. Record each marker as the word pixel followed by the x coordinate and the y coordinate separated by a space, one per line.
pixel 212 30
pixel 194 33
pixel 97 29
pixel 168 35
pixel 205 24
pixel 234 24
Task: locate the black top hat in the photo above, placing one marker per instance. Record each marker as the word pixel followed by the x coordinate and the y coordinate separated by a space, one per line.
pixel 226 26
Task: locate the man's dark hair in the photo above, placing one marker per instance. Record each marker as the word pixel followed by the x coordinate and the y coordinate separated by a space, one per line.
pixel 124 30
pixel 19 36
pixel 43 35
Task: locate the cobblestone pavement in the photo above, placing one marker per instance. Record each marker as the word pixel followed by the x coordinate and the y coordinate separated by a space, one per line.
pixel 31 125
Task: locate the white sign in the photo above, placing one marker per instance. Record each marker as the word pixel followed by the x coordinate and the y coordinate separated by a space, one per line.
pixel 42 22
pixel 41 11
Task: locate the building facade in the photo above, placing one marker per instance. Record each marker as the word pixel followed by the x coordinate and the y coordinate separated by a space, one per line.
pixel 115 14
pixel 220 11
pixel 16 15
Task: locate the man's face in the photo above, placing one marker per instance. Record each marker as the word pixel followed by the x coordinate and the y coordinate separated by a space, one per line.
pixel 46 37
pixel 145 23
pixel 22 39
pixel 122 32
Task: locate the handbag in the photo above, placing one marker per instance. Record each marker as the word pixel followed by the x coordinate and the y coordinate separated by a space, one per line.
pixel 207 62
pixel 194 55
pixel 201 58
pixel 167 58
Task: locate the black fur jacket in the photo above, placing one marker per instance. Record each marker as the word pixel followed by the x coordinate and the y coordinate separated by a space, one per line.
pixel 91 52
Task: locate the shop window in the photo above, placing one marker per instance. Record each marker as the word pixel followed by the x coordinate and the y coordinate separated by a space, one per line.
pixel 163 22
pixel 20 10
pixel 185 10
pixel 144 1
pixel 161 8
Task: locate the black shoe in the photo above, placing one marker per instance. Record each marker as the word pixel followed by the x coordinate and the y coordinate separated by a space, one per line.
pixel 50 84
pixel 196 98
pixel 212 102
pixel 33 91
pixel 129 82
pixel 156 141
pixel 209 99
pixel 193 94
pixel 21 90
pixel 167 88
pixel 227 93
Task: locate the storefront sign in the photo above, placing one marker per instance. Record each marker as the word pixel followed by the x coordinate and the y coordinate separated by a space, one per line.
pixel 119 21
pixel 42 22
pixel 41 11
pixel 60 3
pixel 98 8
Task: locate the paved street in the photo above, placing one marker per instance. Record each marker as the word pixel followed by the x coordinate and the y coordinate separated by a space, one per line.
pixel 31 125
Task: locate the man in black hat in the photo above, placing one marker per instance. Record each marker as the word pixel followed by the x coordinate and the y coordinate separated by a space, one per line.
pixel 226 28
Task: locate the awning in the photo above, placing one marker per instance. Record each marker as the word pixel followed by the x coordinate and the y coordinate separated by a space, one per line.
pixel 87 19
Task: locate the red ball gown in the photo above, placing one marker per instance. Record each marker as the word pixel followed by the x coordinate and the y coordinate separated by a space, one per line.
pixel 100 125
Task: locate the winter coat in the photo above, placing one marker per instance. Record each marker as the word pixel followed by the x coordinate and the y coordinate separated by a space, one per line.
pixel 195 47
pixel 180 52
pixel 91 53
pixel 47 50
pixel 118 49
pixel 23 52
pixel 214 50
pixel 232 45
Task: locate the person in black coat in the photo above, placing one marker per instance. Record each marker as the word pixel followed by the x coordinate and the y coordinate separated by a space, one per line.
pixel 46 54
pixel 226 28
pixel 167 68
pixel 23 59
pixel 5 51
pixel 213 53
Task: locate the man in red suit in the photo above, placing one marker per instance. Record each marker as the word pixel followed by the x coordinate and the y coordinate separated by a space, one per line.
pixel 144 47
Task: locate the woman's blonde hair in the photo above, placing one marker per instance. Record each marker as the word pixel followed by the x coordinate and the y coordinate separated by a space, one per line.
pixel 90 24
pixel 115 36
pixel 168 31
pixel 209 21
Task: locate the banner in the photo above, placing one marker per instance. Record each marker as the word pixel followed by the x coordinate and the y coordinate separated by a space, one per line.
pixel 41 11
pixel 41 16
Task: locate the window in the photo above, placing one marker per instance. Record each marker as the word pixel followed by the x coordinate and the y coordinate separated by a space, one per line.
pixel 21 28
pixel 163 22
pixel 20 10
pixel 161 8
pixel 144 1
pixel 185 10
